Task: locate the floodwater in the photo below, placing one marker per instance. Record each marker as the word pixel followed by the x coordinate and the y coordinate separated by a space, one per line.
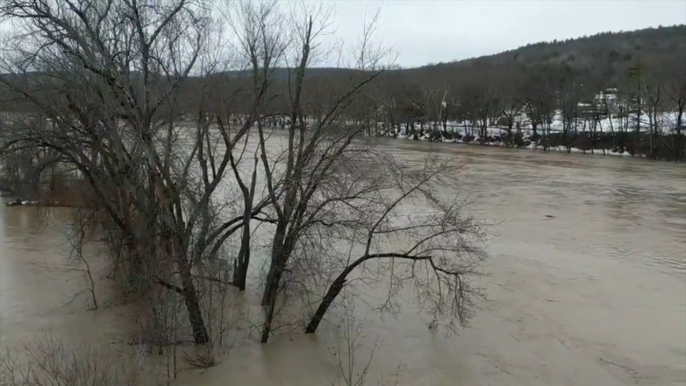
pixel 585 285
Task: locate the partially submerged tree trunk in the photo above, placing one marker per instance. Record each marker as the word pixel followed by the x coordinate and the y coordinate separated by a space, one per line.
pixel 192 301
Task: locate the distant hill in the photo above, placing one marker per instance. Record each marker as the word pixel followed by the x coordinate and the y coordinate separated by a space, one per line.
pixel 600 51
pixel 589 51
pixel 596 52
pixel 282 74
pixel 601 61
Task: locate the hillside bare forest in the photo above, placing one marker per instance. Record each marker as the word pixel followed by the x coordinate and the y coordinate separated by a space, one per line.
pixel 619 92
pixel 208 160
pixel 614 92
pixel 622 92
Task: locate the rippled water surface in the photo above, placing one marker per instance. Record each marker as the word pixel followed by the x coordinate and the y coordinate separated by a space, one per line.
pixel 586 283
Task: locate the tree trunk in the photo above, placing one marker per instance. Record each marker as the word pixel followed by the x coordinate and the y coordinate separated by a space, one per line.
pixel 266 329
pixel 269 298
pixel 593 129
pixel 195 315
pixel 330 296
pixel 638 117
pixel 271 285
pixel 241 264
pixel 271 288
pixel 679 140
pixel 190 297
pixel 653 133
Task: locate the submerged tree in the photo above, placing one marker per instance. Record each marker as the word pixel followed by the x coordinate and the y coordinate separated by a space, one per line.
pixel 176 155
pixel 112 80
pixel 332 192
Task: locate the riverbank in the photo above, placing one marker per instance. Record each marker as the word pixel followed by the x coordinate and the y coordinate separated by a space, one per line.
pixel 68 194
pixel 637 150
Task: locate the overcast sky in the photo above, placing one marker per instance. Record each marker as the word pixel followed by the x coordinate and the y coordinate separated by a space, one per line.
pixel 424 31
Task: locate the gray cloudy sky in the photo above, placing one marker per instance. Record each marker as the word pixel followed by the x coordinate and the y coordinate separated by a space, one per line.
pixel 424 31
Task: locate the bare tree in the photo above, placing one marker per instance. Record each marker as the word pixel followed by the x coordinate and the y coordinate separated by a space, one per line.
pixel 349 342
pixel 653 97
pixel 319 199
pixel 112 78
pixel 140 106
pixel 440 249
pixel 677 93
pixel 130 57
pixel 257 27
pixel 50 361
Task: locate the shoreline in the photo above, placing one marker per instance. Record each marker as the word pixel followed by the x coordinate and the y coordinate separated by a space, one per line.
pixel 539 147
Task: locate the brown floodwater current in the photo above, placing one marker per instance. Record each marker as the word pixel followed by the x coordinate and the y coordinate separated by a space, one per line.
pixel 585 285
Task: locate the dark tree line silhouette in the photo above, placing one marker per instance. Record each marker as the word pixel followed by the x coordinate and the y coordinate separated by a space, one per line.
pixel 621 92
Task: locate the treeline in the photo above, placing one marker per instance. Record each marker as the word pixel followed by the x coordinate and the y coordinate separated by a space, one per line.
pixel 621 92
pixel 600 51
pixel 639 109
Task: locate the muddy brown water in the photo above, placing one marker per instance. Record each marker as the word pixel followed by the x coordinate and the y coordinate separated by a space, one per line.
pixel 586 285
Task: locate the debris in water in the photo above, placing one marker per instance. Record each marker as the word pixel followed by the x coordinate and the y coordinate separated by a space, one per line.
pixel 21 203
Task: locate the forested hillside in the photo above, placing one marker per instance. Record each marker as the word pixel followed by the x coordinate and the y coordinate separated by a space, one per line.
pixel 602 50
pixel 624 91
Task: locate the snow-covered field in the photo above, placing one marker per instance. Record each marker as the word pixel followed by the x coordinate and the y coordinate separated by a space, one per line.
pixel 666 123
pixel 534 146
